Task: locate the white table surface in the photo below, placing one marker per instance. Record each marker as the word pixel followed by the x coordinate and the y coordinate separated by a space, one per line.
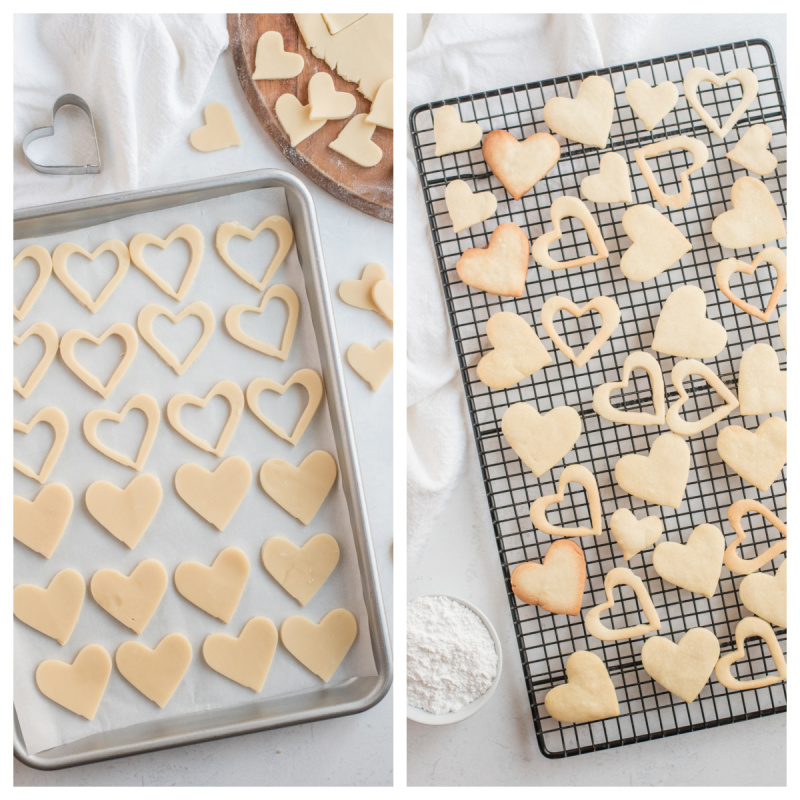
pixel 355 750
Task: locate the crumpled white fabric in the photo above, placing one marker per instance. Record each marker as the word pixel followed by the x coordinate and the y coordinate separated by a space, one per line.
pixel 456 55
pixel 142 75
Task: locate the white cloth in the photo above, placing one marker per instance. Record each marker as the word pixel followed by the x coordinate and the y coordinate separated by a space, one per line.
pixel 142 75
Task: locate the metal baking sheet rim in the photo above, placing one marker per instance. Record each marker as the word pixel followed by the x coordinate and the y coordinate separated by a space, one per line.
pixel 357 694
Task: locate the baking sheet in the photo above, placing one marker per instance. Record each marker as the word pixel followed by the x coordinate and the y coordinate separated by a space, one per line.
pixel 177 533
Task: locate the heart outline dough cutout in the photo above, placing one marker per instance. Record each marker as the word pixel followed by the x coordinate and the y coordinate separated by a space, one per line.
pixel 762 384
pixel 131 599
pixel 745 566
pixel 601 399
pixel 501 267
pixel 79 686
pixel 616 577
pixel 753 219
pixel 757 457
pixel 520 165
pixel 587 696
pixel 40 523
pixel 609 314
pixel 53 611
pixel 651 103
pixel 358 293
pixel 321 647
pixel 371 365
pixel 573 473
pixel 47 333
pixel 218 131
pixel 765 595
pixel 467 208
pixel 326 103
pixel 585 118
pixel 157 672
pixel 290 300
pixel 245 659
pixel 64 250
pixel 752 151
pixel 217 589
pixel 198 309
pixel 57 420
pixel 660 477
pixel 695 565
pixel 355 142
pixel 747 627
pixel 451 135
pixel 300 571
pixel 272 62
pixel 697 75
pixel 769 255
pixel 683 330
pixel 44 262
pixel 699 153
pixel 568 206
pixel 193 238
pixel 125 513
pixel 656 244
pixel 634 535
pixel 611 183
pixel 295 118
pixel 681 370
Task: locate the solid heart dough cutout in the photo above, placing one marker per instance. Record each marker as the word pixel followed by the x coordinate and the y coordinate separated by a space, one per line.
pixel 373 366
pixel 216 495
pixel 155 673
pixel 616 577
pixel 573 473
pixel 307 378
pixel 47 333
pixel 541 440
pixel 467 208
pixel 193 238
pixel 234 326
pixel 752 150
pixel 273 62
pixel 501 267
pixel 634 535
pixel 141 402
pixel 197 309
pixel 660 477
pixel 683 330
pixel 282 229
pixel 217 589
pixel 300 490
pixel 131 599
pixel 756 456
pixel 114 246
pixel 383 297
pixel 557 583
pixel 53 611
pixel 753 219
pixel 601 399
pixel 518 351
pixel 219 131
pixel 762 384
pixel 451 135
pixel 57 420
pixel 228 390
pixel 295 119
pixel 699 153
pixel 355 142
pixel 747 627
pixel 681 370
pixel 568 206
pixel 769 255
pixel 586 118
pixel 611 183
pixel 131 344
pixel 682 668
pixel 358 293
pixel 78 686
pixel 696 565
pixel 320 647
pixel 125 513
pixel 381 112
pixel 765 595
pixel 247 659
pixel 325 101
pixel 301 571
pixel 697 75
pixel 656 244
pixel 588 694
pixel 44 263
pixel 745 566
pixel 651 103
pixel 40 523
pixel 519 166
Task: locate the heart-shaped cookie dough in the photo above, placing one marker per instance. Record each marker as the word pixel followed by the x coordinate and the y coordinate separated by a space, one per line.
pixel 746 628
pixel 320 647
pixel 697 75
pixel 682 370
pixel 272 62
pixel 234 327
pixel 573 473
pixel 197 309
pixel 699 153
pixel 228 390
pixel 764 595
pixel 518 351
pixel 301 571
pixel 358 293
pixel 47 333
pixel 660 477
pixel 682 668
pixel 40 523
pixel 372 365
pixel 325 101
pixel 586 118
pixel 519 166
pixel 696 565
pixel 295 118
pixel 557 583
pixel 155 673
pixel 656 244
pixel 247 659
pixel 53 611
pixel 762 384
pixel 300 490
pixel 78 686
pixel 278 225
pixel 451 135
pixel 66 249
pixel 130 343
pixel 125 513
pixel 651 103
pixel 744 566
pixel 307 378
pixel 189 234
pixel 216 495
pixel 140 402
pixel 611 183
pixel 217 589
pixel 355 142
pixel 383 298
pixel 616 577
pixel 753 219
pixel 131 599
pixel 601 399
pixel 44 264
pixel 684 331
pixel 634 535
pixel 588 694
pixel 541 440
pixel 609 314
pixel 757 456
pixel 501 267
pixel 467 208
pixel 381 112
pixel 218 131
pixel 752 150
pixel 568 206
pixel 57 420
pixel 769 255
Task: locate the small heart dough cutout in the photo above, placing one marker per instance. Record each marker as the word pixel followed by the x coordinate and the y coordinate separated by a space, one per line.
pixel 601 399
pixel 218 131
pixel 301 571
pixel 295 118
pixel 272 62
pixel 125 513
pixel 320 647
pixel 217 589
pixel 681 370
pixel 131 599
pixel 53 611
pixel 769 255
pixel 155 673
pixel 755 627
pixel 358 293
pixel 216 495
pixel 246 660
pixel 301 490
pixel 373 366
pixel 40 523
pixel 355 142
pixel 325 101
pixel 79 686
pixel 609 314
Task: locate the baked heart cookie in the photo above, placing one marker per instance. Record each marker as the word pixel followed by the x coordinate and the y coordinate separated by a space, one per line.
pixel 656 244
pixel 467 208
pixel 518 352
pixel 634 535
pixel 765 595
pixel 519 166
pixel 615 577
pixel 574 473
pixel 773 256
pixel 660 477
pixel 753 219
pixel 586 118
pixel 756 456
pixel 743 76
pixel 683 329
pixel 557 583
pixel 568 206
pixel 733 560
pixel 681 371
pixel 699 153
pixel 451 135
pixel 752 151
pixel 746 628
pixel 695 565
pixel 762 383
pixel 501 267
pixel 612 182
pixel 651 103
pixel 587 695
pixel 601 399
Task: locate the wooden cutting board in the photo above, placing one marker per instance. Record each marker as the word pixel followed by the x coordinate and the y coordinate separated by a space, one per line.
pixel 369 189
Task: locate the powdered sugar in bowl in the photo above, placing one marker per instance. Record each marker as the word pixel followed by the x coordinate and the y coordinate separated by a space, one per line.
pixel 454 659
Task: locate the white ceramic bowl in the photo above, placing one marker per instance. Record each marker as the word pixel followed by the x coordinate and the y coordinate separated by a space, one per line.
pixel 425 717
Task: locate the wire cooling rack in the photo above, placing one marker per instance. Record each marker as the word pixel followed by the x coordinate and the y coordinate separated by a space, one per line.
pixel 647 710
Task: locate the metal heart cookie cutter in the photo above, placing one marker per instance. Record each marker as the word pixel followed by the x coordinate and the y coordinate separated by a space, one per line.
pixel 49 130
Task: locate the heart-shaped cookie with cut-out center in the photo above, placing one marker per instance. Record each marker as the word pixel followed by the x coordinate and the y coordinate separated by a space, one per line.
pixel 762 383
pixel 609 315
pixel 47 333
pixel 765 595
pixel 697 75
pixel 656 244
pixel 66 249
pixel 634 535
pixel 373 365
pixel 57 420
pixel 696 565
pixel 683 329
pixel 277 292
pixel 295 118
pixel 301 571
pixel 733 560
pixel 753 219
pixel 53 611
pixel 197 309
pixel 218 131
pixel 44 264
pixel 651 103
pixel 520 165
pixel 573 473
pixel 217 589
pixel 467 208
pixel 616 577
pixel 131 599
pixel 745 629
pixel 216 495
pixel 659 477
pixel 699 153
pixel 588 694
pixel 189 234
pixel 272 62
pixel 769 255
pixel 601 399
pixel 355 142
pixel 568 206
pixel 125 513
pixel 585 118
pixel 79 686
pixel 680 372
pixel 501 267
pixel 325 101
pixel 320 647
pixel 245 659
pixel 557 583
pixel 756 456
pixel 451 135
pixel 611 183
pixel 40 523
pixel 752 150
pixel 155 673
